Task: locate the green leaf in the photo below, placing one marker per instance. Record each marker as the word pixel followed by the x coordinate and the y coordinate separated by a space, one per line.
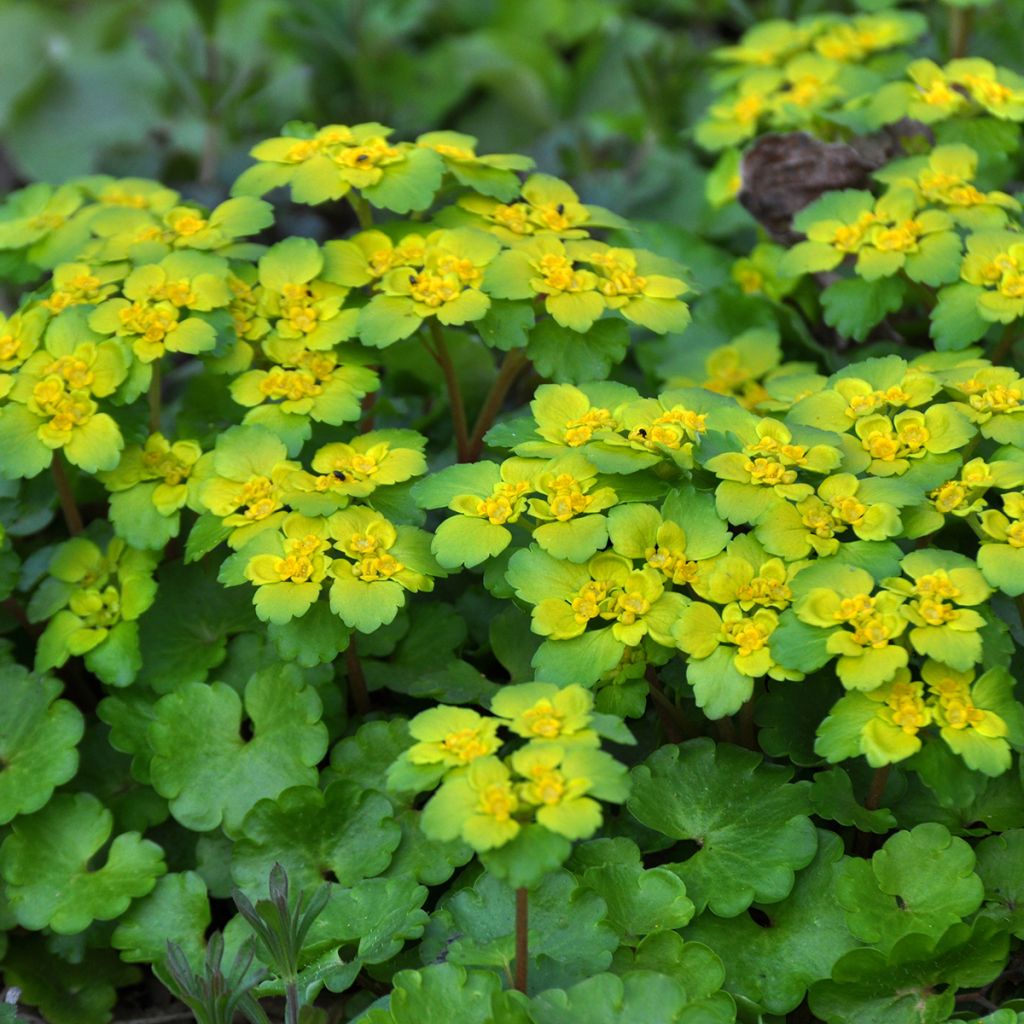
pixel 80 992
pixel 798 646
pixel 461 541
pixel 999 867
pixel 207 532
pixel 832 799
pixel 378 915
pixel 750 822
pixel 789 725
pixel 568 941
pixel 774 960
pixel 426 860
pixel 211 774
pixel 580 660
pixel 177 910
pixel 184 634
pixel 38 739
pixel 640 901
pixel 317 638
pixel 136 518
pixel 506 325
pixel 530 856
pixel 956 322
pixel 365 757
pixel 854 306
pixel 920 883
pixel 1003 567
pixel 913 985
pixel 342 834
pixel 386 319
pixel 607 999
pixel 366 606
pixel 568 357
pixel 408 185
pixel 441 993
pixel 46 863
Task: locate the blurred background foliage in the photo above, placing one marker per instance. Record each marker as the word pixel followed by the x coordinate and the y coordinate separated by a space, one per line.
pixel 602 92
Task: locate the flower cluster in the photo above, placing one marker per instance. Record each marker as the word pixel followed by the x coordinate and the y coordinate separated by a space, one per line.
pixel 555 779
pixel 790 75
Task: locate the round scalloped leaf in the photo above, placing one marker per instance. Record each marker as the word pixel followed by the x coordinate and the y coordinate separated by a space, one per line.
pixel 378 915
pixel 442 993
pixel 534 853
pixel 1001 869
pixel 569 940
pixel 51 882
pixel 607 999
pixel 920 883
pixel 426 860
pixel 365 757
pixel 38 739
pixel 342 834
pixel 568 357
pixel 184 634
pixel 773 964
pixel 639 901
pixel 315 638
pixel 177 910
pixel 913 985
pixel 82 992
pixel 209 772
pixel 833 800
pixel 750 822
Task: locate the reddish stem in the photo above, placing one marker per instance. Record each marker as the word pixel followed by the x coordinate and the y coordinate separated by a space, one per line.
pixel 511 366
pixel 522 940
pixel 66 496
pixel 358 693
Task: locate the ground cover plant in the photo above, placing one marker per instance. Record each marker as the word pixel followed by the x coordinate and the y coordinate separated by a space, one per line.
pixel 482 607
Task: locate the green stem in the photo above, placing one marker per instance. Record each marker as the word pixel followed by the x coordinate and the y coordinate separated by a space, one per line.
pixel 961 20
pixel 361 208
pixel 522 939
pixel 155 396
pixel 211 123
pixel 1004 347
pixel 878 782
pixel 451 381
pixel 291 1003
pixel 514 361
pixel 1019 602
pixel 748 736
pixel 66 496
pixel 358 693
pixel 671 720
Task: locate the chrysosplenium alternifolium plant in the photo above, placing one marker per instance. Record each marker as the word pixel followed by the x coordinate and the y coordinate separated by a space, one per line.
pixel 406 494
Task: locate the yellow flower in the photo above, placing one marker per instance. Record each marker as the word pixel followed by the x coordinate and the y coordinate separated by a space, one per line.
pixel 452 737
pixel 544 711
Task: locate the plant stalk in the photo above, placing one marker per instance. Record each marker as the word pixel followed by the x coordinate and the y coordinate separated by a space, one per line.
pixel 291 1003
pixel 358 694
pixel 961 20
pixel 878 782
pixel 361 208
pixel 748 735
pixel 514 361
pixel 451 381
pixel 522 940
pixel 68 505
pixel 668 713
pixel 211 125
pixel 1004 347
pixel 155 397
